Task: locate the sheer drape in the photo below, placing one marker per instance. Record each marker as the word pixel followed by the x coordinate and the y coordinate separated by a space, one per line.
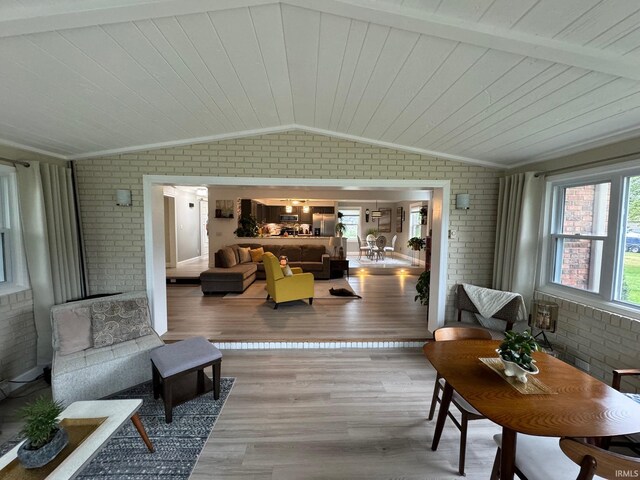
pixel 51 243
pixel 516 251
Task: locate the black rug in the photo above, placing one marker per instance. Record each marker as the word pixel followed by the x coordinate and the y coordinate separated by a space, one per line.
pixel 178 444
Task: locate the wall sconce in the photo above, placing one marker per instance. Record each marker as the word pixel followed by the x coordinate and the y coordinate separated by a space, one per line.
pixel 462 201
pixel 123 198
pixel 288 209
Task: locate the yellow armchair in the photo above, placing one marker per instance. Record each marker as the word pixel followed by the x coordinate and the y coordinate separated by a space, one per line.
pixel 286 289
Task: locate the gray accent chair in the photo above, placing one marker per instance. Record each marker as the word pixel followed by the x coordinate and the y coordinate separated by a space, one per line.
pixel 81 371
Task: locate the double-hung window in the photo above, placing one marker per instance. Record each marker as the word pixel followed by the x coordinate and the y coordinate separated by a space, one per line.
pixel 12 264
pixel 594 237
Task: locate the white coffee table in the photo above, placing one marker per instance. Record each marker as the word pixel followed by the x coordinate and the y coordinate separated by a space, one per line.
pixel 117 413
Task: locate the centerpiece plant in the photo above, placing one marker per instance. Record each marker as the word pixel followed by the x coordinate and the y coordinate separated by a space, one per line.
pixel 518 348
pixel 44 436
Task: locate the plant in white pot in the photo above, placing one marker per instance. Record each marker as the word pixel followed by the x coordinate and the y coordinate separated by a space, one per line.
pixel 45 438
pixel 516 353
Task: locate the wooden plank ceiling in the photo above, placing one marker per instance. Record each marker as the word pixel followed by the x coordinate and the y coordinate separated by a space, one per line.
pixel 500 82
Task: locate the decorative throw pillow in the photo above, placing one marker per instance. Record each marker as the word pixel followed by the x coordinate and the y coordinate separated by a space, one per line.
pixel 286 270
pixel 245 254
pixel 117 321
pixel 72 330
pixel 227 257
pixel 256 254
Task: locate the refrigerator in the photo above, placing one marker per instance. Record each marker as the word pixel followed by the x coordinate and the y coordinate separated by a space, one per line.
pixel 324 224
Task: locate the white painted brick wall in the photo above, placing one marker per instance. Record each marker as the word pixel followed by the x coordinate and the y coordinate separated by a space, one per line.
pixel 114 235
pixel 605 340
pixel 17 335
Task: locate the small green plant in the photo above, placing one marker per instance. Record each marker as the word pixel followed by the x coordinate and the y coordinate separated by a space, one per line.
pixel 422 287
pixel 518 347
pixel 41 422
pixel 417 243
pixel 247 227
pixel 340 229
pixel 372 231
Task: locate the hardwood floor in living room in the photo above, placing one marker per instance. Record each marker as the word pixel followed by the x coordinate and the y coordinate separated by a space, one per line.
pixel 386 312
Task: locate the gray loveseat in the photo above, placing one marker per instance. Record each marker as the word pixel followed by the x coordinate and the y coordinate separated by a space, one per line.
pixel 101 346
pixel 234 274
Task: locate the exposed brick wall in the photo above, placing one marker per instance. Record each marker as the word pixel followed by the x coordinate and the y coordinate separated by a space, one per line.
pixel 605 340
pixel 114 235
pixel 17 335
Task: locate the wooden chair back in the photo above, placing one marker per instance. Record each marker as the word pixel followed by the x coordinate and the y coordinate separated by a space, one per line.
pixel 596 461
pixel 461 333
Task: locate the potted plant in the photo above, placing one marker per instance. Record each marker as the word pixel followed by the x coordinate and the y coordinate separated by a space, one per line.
pixel 516 353
pixel 417 243
pixel 424 214
pixel 372 231
pixel 45 439
pixel 247 227
pixel 340 227
pixel 422 287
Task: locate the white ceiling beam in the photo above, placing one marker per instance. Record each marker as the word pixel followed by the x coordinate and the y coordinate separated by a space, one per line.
pixel 390 15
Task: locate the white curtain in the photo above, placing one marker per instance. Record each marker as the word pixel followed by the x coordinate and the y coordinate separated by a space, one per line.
pixel 516 251
pixel 51 243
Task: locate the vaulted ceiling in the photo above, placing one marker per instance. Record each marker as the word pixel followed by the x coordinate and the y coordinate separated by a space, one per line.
pixel 499 82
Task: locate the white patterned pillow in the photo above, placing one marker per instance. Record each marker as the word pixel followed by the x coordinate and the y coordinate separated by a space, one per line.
pixel 116 321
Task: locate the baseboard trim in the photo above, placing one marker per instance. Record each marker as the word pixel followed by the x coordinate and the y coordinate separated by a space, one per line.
pixel 315 345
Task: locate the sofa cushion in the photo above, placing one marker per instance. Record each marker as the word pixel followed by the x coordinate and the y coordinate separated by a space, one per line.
pixel 275 249
pixel 116 321
pixel 313 253
pixel 227 257
pixel 292 252
pixel 256 254
pixel 72 330
pixel 244 254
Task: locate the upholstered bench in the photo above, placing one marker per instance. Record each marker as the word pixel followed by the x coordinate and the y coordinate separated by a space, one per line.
pixel 176 364
pixel 234 279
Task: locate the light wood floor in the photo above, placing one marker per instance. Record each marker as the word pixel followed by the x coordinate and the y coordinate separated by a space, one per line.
pixel 335 414
pixel 387 312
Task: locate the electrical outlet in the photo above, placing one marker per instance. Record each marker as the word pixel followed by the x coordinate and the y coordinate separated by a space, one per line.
pixel 582 365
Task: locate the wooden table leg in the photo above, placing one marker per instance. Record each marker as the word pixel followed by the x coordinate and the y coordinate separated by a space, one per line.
pixel 143 433
pixel 508 456
pixel 447 393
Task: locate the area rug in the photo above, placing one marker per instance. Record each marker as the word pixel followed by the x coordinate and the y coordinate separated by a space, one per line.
pixel 320 290
pixel 178 444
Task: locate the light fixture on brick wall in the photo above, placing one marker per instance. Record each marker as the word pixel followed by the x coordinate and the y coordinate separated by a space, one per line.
pixel 462 201
pixel 123 198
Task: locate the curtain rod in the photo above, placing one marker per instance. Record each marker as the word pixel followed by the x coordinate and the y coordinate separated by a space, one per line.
pixel 19 162
pixel 582 165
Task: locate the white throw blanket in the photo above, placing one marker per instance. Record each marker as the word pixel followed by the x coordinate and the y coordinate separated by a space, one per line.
pixel 489 302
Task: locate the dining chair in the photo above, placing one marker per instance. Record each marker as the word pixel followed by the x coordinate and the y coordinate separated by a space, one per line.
pixel 381 243
pixel 552 458
pixel 362 248
pixel 467 412
pixel 392 248
pixel 616 383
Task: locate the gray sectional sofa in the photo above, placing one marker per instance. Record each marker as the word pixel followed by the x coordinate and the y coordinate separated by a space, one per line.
pixel 234 271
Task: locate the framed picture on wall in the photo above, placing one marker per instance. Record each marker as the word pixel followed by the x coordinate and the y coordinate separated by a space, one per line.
pixel 384 222
pixel 399 219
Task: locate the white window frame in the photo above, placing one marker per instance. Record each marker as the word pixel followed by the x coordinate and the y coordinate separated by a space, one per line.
pixel 613 242
pixel 16 265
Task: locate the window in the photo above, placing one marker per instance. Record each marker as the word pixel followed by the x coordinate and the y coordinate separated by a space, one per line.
pixel 12 263
pixel 351 219
pixel 415 221
pixel 594 237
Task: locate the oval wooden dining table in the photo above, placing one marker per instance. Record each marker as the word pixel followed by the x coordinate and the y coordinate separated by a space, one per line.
pixel 579 405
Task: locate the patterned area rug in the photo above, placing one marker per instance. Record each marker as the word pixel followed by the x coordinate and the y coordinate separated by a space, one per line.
pixel 178 444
